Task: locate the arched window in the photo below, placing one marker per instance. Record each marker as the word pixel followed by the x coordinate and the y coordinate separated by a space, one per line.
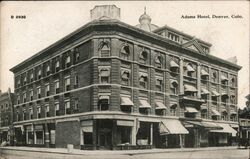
pixel 125 52
pixel 158 61
pixel 125 76
pixel 143 80
pixel 104 49
pixel 143 56
pixel 173 109
pixel 174 87
pixel 214 76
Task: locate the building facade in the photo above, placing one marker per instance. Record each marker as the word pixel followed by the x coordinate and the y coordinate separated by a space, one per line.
pixel 110 85
pixel 6 116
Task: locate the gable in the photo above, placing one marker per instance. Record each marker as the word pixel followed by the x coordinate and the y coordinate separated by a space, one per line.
pixel 194 45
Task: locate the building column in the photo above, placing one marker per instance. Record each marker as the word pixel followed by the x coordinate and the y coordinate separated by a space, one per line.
pixel 199 80
pixel 151 134
pixel 133 133
pixel 114 134
pixel 182 139
pixel 181 87
pixel 94 135
pixel 47 141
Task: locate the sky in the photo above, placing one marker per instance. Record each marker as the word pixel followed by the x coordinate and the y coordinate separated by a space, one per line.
pixel 46 22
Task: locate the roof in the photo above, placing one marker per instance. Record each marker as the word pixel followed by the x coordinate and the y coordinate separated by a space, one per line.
pixel 115 25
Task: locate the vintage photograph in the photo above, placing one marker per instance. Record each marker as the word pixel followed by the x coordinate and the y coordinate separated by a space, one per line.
pixel 124 79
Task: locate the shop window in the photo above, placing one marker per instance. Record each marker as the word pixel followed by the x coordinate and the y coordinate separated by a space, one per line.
pixel 125 52
pixel 143 81
pixel 158 61
pixel 159 84
pixel 104 74
pixel 31 113
pixel 57 89
pixel 31 95
pixel 173 109
pixel 57 108
pixel 47 89
pixel 30 137
pixel 125 75
pixel 67 107
pixel 143 56
pixel 39 137
pixel 47 111
pixel 174 87
pixel 103 103
pixel 67 83
pixel 104 49
pixel 24 97
pixel 39 92
pixel 124 134
pixel 38 109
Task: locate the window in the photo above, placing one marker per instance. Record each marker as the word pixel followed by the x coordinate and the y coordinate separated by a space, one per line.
pixel 17 116
pixel 39 137
pixel 104 73
pixel 24 114
pixel 204 113
pixel 232 82
pixel 214 100
pixel 57 108
pixel 57 65
pixel 224 98
pixel 103 103
pixel 67 83
pixel 125 52
pixel 31 77
pixel 76 81
pixel 174 66
pixel 31 113
pixel 143 80
pixel 174 87
pixel 77 55
pixel 38 92
pixel 18 83
pixel 31 95
pixel 190 70
pixel 24 97
pixel 68 60
pixel 38 109
pixel 158 61
pixel 76 106
pixel 125 75
pixel 24 80
pixel 39 74
pixel 47 69
pixel 57 90
pixel 159 84
pixel 143 56
pixel 104 49
pixel 47 89
pixel 224 115
pixel 67 107
pixel 214 77
pixel 224 79
pixel 47 111
pixel 173 109
pixel 233 99
pixel 18 99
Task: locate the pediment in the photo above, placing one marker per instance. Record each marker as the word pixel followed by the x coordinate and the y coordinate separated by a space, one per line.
pixel 194 45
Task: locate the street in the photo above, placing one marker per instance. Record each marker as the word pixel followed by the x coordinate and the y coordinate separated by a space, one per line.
pixel 194 154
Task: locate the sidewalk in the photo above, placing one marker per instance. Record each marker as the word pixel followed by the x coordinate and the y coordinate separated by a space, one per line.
pixel 110 152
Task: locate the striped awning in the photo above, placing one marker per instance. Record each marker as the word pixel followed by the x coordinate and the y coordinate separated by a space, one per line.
pixel 172 127
pixel 125 101
pixel 226 129
pixel 160 105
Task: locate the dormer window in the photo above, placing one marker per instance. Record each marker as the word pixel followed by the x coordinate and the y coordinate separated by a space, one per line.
pixel 143 56
pixel 104 49
pixel 158 61
pixel 125 52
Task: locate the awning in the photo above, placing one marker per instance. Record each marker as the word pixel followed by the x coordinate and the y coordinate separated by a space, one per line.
pixel 214 93
pixel 204 73
pixel 215 112
pixel 224 94
pixel 203 107
pixel 160 105
pixel 206 125
pixel 144 104
pixel 223 78
pixel 173 64
pixel 204 91
pixel 172 127
pixel 191 110
pixel 125 101
pixel 233 112
pixel 234 126
pixel 190 68
pixel 189 88
pixel 226 129
pixel 103 97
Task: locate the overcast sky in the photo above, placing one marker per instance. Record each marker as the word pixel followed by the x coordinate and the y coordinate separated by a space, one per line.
pixel 46 22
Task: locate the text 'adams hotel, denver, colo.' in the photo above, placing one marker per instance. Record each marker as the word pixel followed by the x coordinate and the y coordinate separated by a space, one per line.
pixel 110 85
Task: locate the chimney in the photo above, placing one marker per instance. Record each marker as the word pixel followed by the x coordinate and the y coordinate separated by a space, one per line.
pixel 103 12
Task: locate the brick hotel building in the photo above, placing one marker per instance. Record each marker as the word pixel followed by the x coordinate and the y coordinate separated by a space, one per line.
pixel 110 85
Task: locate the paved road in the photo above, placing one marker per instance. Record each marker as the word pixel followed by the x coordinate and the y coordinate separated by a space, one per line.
pixel 207 154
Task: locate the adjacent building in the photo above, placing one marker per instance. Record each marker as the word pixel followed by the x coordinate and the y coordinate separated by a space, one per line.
pixel 6 116
pixel 110 85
